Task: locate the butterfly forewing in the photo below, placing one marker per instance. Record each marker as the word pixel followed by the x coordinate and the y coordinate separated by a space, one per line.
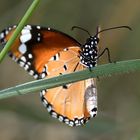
pixel 35 46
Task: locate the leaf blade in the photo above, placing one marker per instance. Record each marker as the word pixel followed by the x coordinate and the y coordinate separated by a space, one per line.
pixel 99 71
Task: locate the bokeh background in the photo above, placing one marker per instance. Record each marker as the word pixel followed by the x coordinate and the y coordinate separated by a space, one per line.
pixel 24 117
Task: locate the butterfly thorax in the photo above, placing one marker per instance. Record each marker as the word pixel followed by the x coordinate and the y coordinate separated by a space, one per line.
pixel 89 52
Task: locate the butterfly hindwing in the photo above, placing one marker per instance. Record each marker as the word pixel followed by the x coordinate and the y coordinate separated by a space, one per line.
pixel 71 103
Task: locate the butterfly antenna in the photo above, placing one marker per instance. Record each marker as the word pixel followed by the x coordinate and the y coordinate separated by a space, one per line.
pixel 80 29
pixel 112 28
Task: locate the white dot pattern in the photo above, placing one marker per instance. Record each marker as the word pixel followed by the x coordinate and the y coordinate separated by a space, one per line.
pixel 88 54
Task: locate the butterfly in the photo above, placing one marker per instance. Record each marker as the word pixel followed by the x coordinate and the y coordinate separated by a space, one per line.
pixel 44 53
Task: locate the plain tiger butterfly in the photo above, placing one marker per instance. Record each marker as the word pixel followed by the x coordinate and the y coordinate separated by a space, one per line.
pixel 46 52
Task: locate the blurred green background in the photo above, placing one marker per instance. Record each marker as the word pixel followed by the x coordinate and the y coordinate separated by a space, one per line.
pixel 24 117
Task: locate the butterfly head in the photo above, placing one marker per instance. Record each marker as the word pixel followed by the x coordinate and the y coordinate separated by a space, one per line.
pixel 92 40
pixel 88 53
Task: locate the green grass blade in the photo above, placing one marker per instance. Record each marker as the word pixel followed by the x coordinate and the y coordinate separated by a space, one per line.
pixel 19 28
pixel 99 71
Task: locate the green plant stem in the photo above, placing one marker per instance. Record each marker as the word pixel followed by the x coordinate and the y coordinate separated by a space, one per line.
pixel 99 71
pixel 18 29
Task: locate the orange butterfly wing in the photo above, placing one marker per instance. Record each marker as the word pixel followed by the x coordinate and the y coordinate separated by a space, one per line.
pixel 46 52
pixel 69 103
pixel 36 45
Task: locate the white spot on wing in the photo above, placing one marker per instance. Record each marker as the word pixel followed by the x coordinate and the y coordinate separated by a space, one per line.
pixel 30 55
pixel 26 67
pixel 54 115
pixel 60 118
pixel 6 32
pixel 71 123
pixel 25 37
pixel 43 92
pixel 21 63
pixel 76 122
pixel 22 48
pixel 55 57
pixel 38 39
pixel 29 63
pixel 28 27
pixel 9 28
pixel 23 58
pixel 35 76
pixel 92 113
pixel 25 31
pixel 2 35
pixel 43 75
pixel 49 108
pixel 38 27
pixel 31 72
pixel 66 49
pixel 45 103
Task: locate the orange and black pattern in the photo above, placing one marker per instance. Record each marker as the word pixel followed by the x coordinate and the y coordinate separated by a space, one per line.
pixel 45 53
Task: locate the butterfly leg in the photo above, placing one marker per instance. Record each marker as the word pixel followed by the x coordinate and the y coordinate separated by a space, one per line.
pixel 76 67
pixel 108 54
